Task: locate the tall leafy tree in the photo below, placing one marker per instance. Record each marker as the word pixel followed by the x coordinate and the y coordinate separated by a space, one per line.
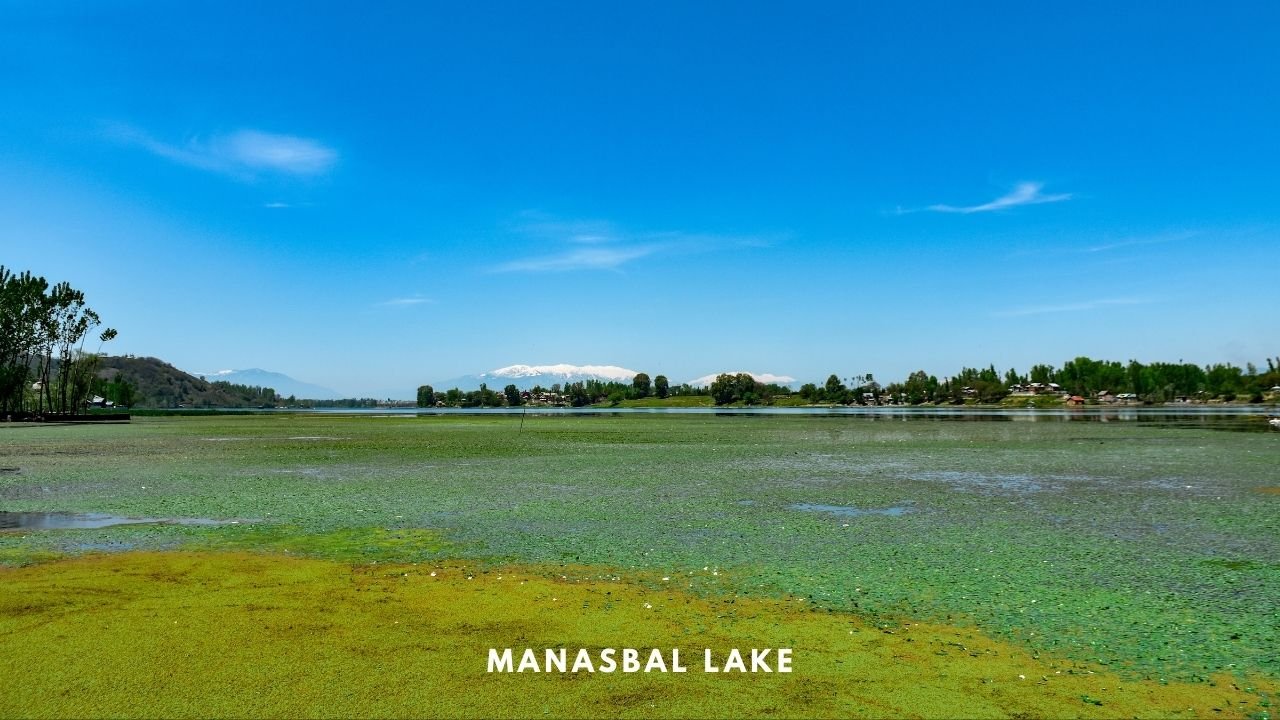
pixel 22 303
pixel 513 395
pixel 726 389
pixel 42 335
pixel 578 395
pixel 661 387
pixel 641 385
pixel 917 387
pixel 834 390
pixel 426 396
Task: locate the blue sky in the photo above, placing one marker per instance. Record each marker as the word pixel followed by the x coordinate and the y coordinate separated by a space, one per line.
pixel 371 198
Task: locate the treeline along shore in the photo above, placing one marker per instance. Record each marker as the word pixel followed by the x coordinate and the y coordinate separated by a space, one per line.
pixel 145 382
pixel 1078 381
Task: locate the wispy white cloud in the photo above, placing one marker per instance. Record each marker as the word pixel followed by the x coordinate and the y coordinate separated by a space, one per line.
pixel 1093 246
pixel 1071 307
pixel 279 153
pixel 1133 242
pixel 590 239
pixel 1025 193
pixel 539 226
pixel 276 205
pixel 243 154
pixel 580 258
pixel 406 301
pixel 600 245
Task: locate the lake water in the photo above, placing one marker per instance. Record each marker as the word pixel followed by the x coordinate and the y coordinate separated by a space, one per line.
pixel 88 521
pixel 1242 418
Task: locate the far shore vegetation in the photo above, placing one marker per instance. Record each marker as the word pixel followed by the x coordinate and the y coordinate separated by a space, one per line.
pixel 125 381
pixel 1079 381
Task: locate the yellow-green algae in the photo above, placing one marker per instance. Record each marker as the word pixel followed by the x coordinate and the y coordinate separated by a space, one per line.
pixel 183 634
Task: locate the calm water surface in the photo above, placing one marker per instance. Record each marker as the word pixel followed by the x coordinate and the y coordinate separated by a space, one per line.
pixel 89 521
pixel 1232 418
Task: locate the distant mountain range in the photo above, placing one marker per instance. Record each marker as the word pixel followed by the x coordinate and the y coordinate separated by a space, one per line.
pixel 527 376
pixel 157 384
pixel 162 385
pixel 281 383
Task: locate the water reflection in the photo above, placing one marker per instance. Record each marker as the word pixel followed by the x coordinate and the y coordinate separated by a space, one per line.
pixel 89 521
pixel 1092 413
pixel 848 511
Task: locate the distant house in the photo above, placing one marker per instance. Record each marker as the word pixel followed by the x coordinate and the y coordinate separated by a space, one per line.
pixel 1075 400
pixel 1276 389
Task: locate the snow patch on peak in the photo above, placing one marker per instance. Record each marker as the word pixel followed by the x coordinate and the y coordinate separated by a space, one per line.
pixel 603 372
pixel 766 378
pixel 513 371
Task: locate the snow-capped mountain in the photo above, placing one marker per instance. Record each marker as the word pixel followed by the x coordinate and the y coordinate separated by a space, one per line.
pixel 281 383
pixel 766 378
pixel 526 376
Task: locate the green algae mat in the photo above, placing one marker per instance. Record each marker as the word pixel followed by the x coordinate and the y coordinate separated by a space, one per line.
pixel 283 565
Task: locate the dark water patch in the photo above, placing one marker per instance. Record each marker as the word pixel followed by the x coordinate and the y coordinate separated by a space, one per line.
pixel 1227 423
pixel 308 471
pixel 1103 441
pixel 90 521
pixel 848 511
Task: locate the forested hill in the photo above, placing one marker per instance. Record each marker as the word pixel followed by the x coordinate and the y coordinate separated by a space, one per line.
pixel 151 382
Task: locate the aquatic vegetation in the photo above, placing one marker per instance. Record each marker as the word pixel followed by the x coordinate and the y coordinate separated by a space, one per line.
pixel 183 634
pixel 1146 547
